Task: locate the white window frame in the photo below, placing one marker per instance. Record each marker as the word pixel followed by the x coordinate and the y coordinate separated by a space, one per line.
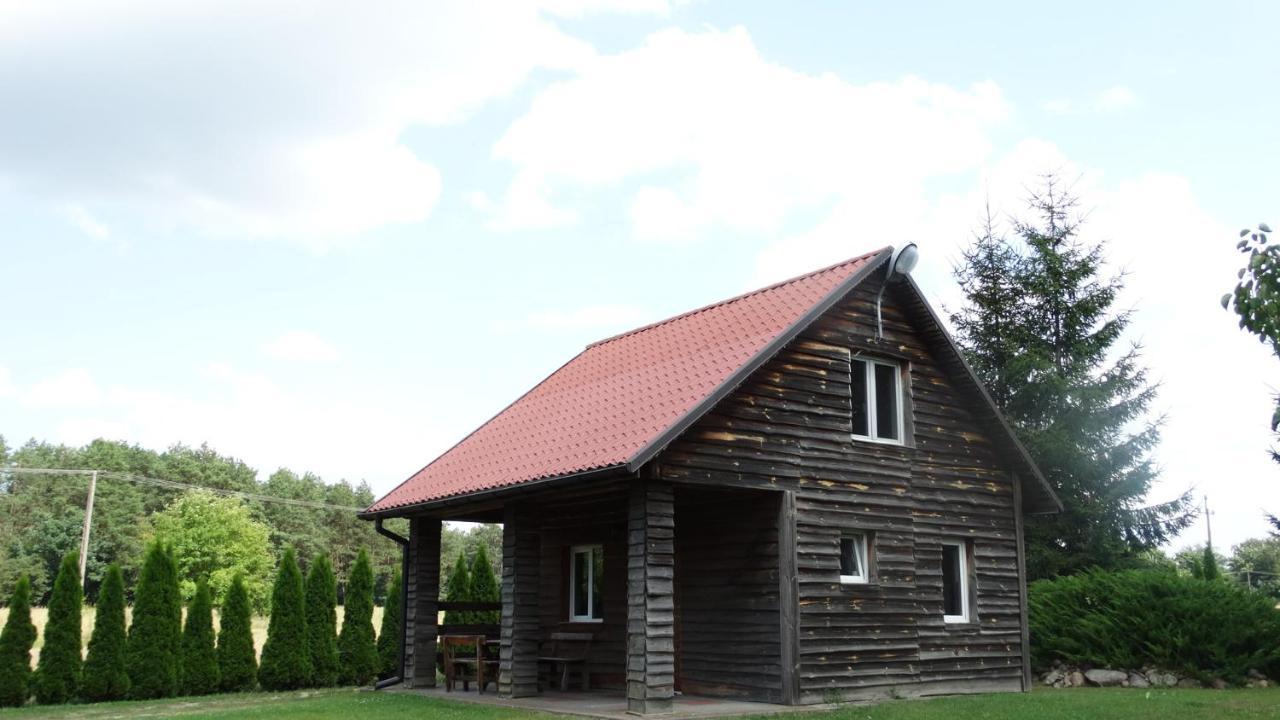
pixel 574 551
pixel 963 554
pixel 872 429
pixel 862 548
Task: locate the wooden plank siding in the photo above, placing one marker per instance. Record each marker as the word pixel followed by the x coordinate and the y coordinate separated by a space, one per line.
pixel 788 428
pixel 422 609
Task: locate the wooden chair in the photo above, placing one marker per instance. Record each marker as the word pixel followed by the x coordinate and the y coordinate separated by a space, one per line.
pixel 566 651
pixel 465 659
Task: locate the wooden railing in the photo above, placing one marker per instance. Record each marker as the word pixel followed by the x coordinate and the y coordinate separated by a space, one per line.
pixel 489 630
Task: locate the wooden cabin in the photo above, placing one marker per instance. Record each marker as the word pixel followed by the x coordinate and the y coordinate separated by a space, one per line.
pixel 775 498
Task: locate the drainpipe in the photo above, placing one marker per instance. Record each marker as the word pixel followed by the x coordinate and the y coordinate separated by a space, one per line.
pixel 403 542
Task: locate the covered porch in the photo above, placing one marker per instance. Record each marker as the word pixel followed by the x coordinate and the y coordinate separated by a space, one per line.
pixel 685 591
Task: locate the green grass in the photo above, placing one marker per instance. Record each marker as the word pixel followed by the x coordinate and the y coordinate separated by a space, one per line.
pixel 1087 704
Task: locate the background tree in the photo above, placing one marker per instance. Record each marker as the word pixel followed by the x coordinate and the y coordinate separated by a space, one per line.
pixel 16 639
pixel 356 645
pixel 152 651
pixel 57 677
pixel 104 676
pixel 1039 327
pixel 199 667
pixel 237 660
pixel 484 587
pixel 389 634
pixel 214 538
pixel 1256 301
pixel 285 663
pixel 1256 563
pixel 322 622
pixel 458 589
pixel 1199 561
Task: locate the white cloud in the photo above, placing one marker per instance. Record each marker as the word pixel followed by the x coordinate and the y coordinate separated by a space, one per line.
pixel 300 346
pixel 722 137
pixel 1114 98
pixel 1058 106
pixel 7 388
pixel 621 317
pixel 271 119
pixel 72 388
pixel 84 221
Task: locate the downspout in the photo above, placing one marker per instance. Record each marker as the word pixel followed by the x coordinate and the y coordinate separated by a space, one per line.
pixel 403 542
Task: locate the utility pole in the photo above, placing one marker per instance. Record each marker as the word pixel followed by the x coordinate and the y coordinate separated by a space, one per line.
pixel 88 521
pixel 1208 526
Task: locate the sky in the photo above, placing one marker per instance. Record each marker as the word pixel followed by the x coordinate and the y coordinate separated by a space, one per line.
pixel 336 237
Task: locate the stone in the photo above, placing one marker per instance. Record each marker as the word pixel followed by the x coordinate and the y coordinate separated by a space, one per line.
pixel 1105 678
pixel 1188 683
pixel 1255 674
pixel 1075 679
pixel 1161 679
pixel 1051 678
pixel 1219 684
pixel 1138 680
pixel 1259 683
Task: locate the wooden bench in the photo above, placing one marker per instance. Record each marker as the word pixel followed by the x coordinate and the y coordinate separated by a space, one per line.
pixel 466 659
pixel 564 651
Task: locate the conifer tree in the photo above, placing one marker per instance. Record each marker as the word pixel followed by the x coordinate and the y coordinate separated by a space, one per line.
pixel 322 622
pixel 104 676
pixel 389 634
pixel 58 675
pixel 484 587
pixel 16 639
pixel 357 651
pixel 199 667
pixel 237 662
pixel 286 664
pixel 152 651
pixel 458 589
pixel 1040 330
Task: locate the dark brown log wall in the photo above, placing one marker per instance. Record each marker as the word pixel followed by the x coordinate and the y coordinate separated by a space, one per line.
pixel 421 609
pixel 788 428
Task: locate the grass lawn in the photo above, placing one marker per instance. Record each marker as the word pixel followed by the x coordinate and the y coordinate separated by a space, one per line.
pixel 1089 704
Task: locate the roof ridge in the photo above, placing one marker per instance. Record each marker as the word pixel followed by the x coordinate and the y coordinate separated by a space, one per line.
pixel 735 298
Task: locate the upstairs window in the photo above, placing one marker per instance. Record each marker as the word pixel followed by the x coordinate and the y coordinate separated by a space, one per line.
pixel 955 582
pixel 586 577
pixel 876 389
pixel 854 568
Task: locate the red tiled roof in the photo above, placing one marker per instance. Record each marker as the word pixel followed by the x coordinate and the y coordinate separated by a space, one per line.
pixel 618 396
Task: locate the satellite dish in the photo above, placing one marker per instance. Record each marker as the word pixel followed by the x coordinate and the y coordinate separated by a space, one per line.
pixel 904 260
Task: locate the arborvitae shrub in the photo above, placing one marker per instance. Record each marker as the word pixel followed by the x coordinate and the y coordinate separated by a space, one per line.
pixel 104 676
pixel 1138 618
pixel 151 653
pixel 199 667
pixel 389 633
pixel 58 675
pixel 286 664
pixel 357 650
pixel 322 622
pixel 237 663
pixel 16 639
pixel 484 588
pixel 458 589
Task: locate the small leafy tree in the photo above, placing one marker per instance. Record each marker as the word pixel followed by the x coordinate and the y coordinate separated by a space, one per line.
pixel 152 651
pixel 104 676
pixel 357 650
pixel 322 622
pixel 389 634
pixel 58 674
pixel 286 664
pixel 16 639
pixel 458 589
pixel 199 669
pixel 214 538
pixel 484 587
pixel 237 663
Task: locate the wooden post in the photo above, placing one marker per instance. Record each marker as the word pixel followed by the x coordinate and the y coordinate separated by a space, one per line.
pixel 88 523
pixel 518 661
pixel 788 599
pixel 423 598
pixel 650 598
pixel 1022 585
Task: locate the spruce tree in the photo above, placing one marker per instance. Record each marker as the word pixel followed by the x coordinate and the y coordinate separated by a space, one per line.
pixel 322 622
pixel 458 589
pixel 199 667
pixel 389 634
pixel 484 588
pixel 104 676
pixel 152 651
pixel 1039 328
pixel 286 664
pixel 16 639
pixel 357 649
pixel 237 662
pixel 58 674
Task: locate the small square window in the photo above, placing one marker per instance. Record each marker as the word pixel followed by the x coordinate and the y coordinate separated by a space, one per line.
pixel 955 582
pixel 875 388
pixel 586 578
pixel 853 558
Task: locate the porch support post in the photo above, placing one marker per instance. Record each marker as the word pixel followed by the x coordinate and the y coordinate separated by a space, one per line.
pixel 422 617
pixel 650 604
pixel 518 661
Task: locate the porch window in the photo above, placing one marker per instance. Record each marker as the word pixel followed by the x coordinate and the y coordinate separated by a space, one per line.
pixel 586 578
pixel 876 390
pixel 853 558
pixel 955 582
